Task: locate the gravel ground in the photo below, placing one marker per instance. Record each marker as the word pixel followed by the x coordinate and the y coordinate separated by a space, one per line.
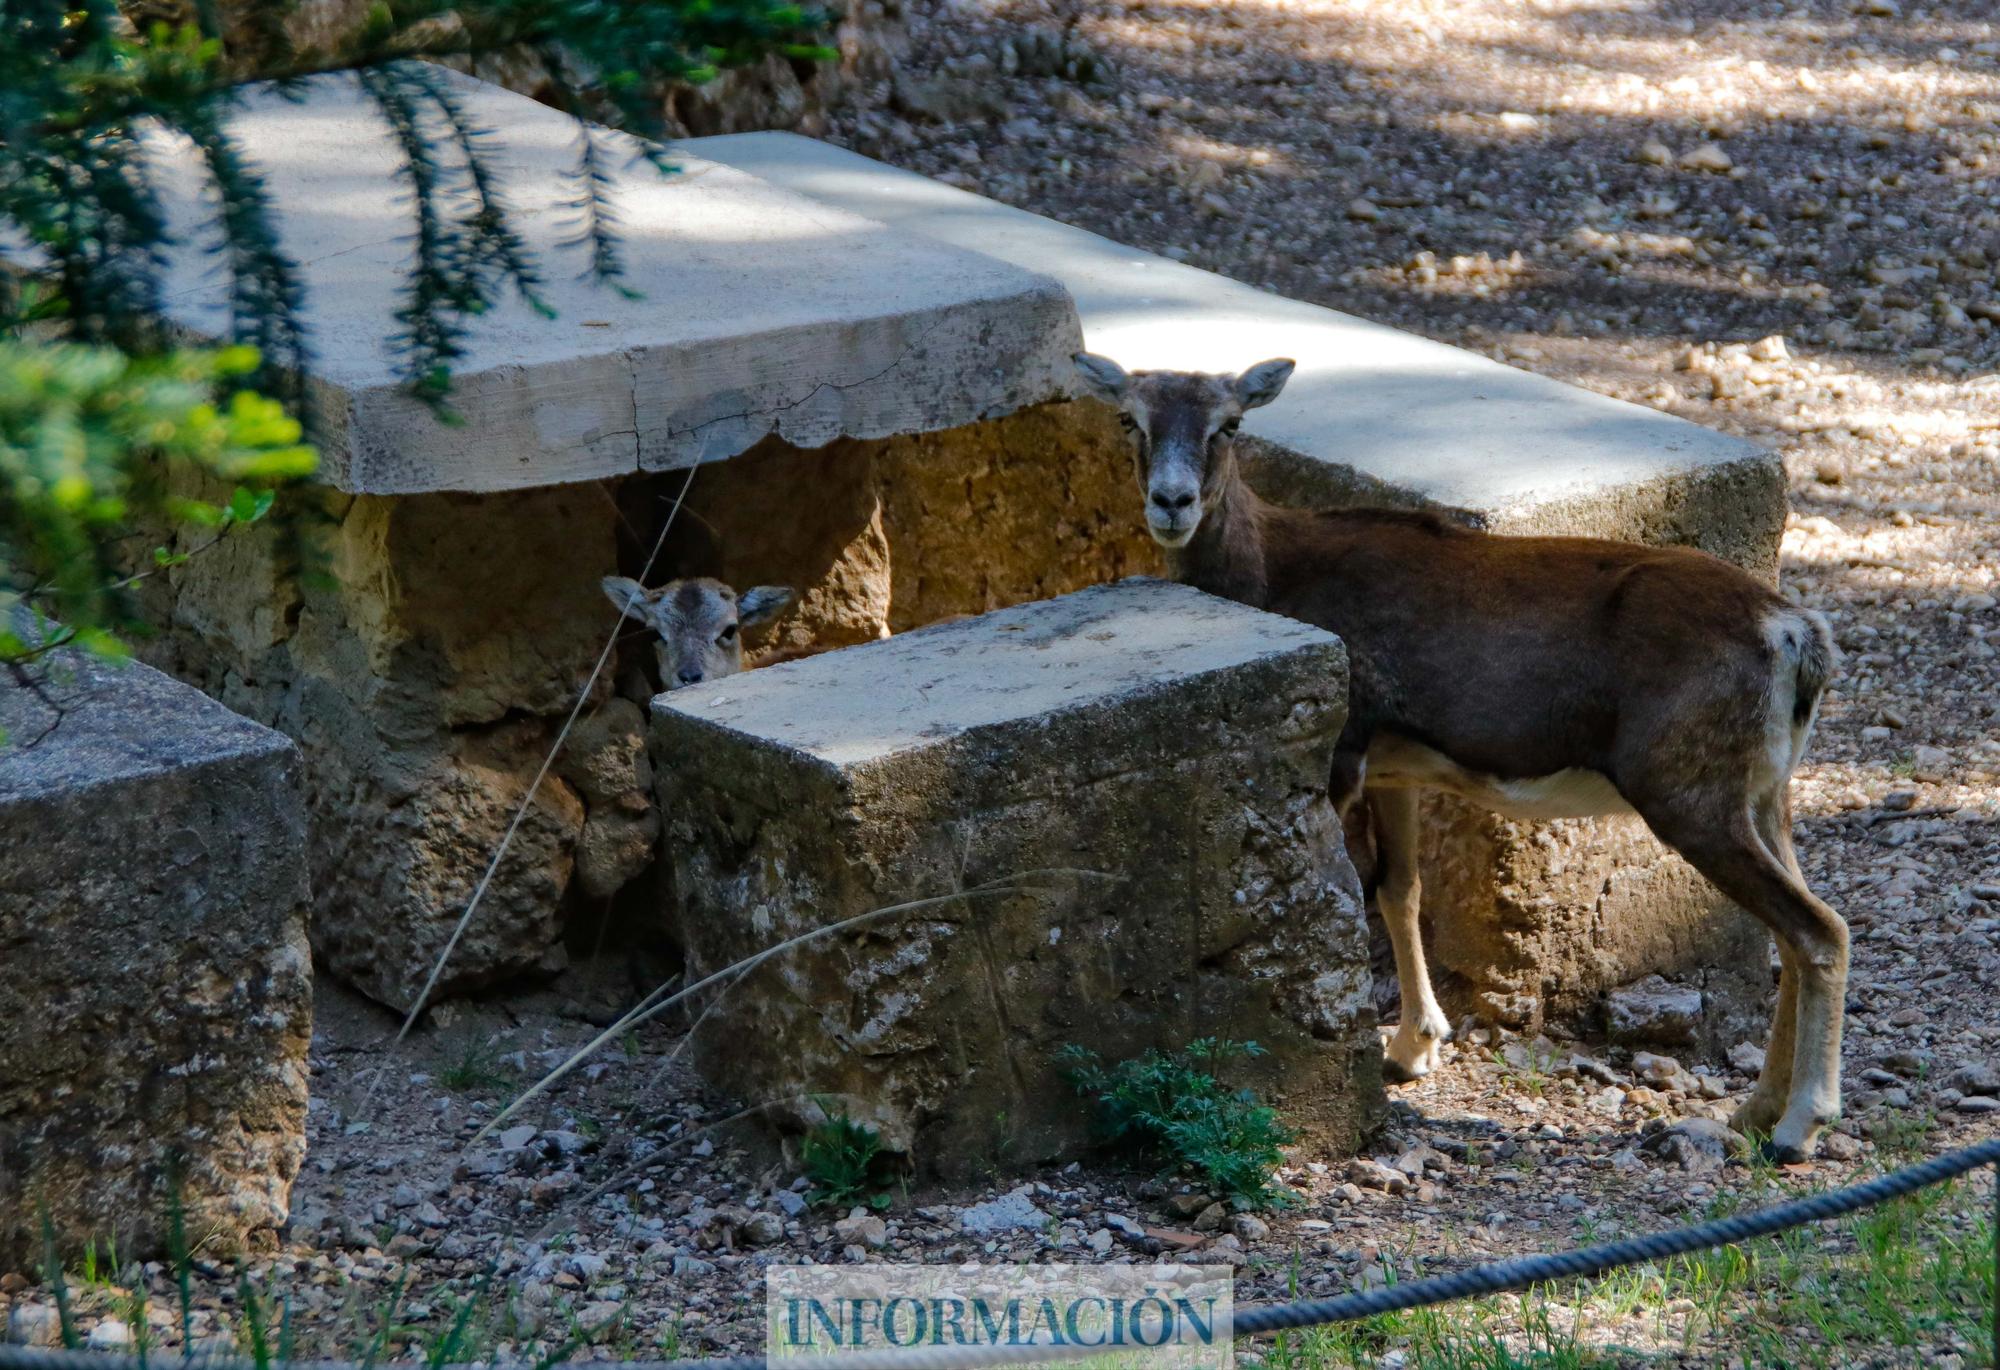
pixel 1776 219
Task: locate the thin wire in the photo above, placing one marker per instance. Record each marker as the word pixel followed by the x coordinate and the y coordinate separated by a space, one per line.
pixel 521 812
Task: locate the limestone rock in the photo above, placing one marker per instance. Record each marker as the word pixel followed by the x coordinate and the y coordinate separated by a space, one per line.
pixel 1975 1077
pixel 862 1229
pixel 605 761
pixel 1654 1012
pixel 1174 742
pixel 33 1324
pixel 155 985
pixel 1695 1144
pixel 399 877
pixel 1004 1214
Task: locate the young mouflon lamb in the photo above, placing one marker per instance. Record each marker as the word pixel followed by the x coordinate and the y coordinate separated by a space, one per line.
pixel 700 623
pixel 1541 677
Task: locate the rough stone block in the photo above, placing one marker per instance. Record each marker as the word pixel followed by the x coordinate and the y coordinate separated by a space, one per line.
pixel 423 680
pixel 155 984
pixel 1174 742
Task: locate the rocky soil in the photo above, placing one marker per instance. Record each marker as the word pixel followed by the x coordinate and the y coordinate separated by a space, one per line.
pixel 1774 218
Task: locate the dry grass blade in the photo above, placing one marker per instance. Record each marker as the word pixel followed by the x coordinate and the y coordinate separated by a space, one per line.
pixel 650 1008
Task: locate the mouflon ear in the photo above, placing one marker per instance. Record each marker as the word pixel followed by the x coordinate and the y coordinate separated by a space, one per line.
pixel 1262 382
pixel 1101 376
pixel 762 603
pixel 629 595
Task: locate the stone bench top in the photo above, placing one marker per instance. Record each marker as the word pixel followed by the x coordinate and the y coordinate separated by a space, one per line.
pixel 1419 417
pixel 940 683
pixel 761 311
pixel 120 723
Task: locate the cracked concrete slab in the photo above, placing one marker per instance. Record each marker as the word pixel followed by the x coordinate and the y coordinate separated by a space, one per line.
pixel 1372 412
pixel 759 311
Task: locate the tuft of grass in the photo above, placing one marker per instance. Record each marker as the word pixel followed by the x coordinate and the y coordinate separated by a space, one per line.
pixel 1169 1108
pixel 839 1156
pixel 476 1071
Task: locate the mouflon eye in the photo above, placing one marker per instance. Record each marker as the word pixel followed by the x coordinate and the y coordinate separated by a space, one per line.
pixel 1229 427
pixel 1127 422
pixel 728 636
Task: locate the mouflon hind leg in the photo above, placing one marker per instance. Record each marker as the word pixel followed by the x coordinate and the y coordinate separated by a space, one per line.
pixel 1724 842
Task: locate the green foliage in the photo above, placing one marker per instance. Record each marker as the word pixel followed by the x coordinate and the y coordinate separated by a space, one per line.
pixel 73 420
pixel 839 1157
pixel 1169 1108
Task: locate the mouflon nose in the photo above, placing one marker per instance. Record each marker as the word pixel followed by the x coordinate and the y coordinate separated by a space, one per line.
pixel 1172 503
pixel 689 676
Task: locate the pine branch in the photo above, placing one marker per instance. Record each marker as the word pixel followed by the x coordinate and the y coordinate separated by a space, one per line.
pixel 444 284
pixel 598 223
pixel 494 242
pixel 266 296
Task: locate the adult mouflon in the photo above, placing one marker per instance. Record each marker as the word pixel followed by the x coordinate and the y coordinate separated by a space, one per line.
pixel 1541 677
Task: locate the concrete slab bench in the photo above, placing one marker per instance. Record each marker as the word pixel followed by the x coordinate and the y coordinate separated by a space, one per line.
pixel 1526 919
pixel 424 684
pixel 1175 742
pixel 155 984
pixel 759 311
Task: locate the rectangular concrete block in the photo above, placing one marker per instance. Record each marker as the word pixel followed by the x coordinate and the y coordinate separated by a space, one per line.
pixel 155 985
pixel 758 312
pixel 1174 743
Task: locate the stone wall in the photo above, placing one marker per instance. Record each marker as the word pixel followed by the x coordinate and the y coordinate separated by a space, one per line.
pixel 773 93
pixel 881 537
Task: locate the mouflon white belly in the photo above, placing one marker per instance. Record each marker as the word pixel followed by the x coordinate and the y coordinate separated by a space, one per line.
pixel 1397 762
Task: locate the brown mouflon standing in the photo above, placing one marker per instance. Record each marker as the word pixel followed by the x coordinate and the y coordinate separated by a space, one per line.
pixel 1541 677
pixel 700 623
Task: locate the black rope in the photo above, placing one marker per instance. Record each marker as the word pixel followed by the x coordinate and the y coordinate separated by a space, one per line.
pixel 1495 1278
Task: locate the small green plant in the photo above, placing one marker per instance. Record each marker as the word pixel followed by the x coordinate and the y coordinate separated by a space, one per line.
pixel 94 1273
pixel 1170 1108
pixel 474 1072
pixel 839 1157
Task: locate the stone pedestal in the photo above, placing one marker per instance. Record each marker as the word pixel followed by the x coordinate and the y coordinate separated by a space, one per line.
pixel 155 986
pixel 1175 744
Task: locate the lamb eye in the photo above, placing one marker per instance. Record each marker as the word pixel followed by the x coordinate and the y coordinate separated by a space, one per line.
pixel 1127 422
pixel 728 635
pixel 1229 427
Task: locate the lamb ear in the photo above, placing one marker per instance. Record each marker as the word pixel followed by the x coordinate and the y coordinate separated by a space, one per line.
pixel 1262 382
pixel 762 603
pixel 1101 376
pixel 628 594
